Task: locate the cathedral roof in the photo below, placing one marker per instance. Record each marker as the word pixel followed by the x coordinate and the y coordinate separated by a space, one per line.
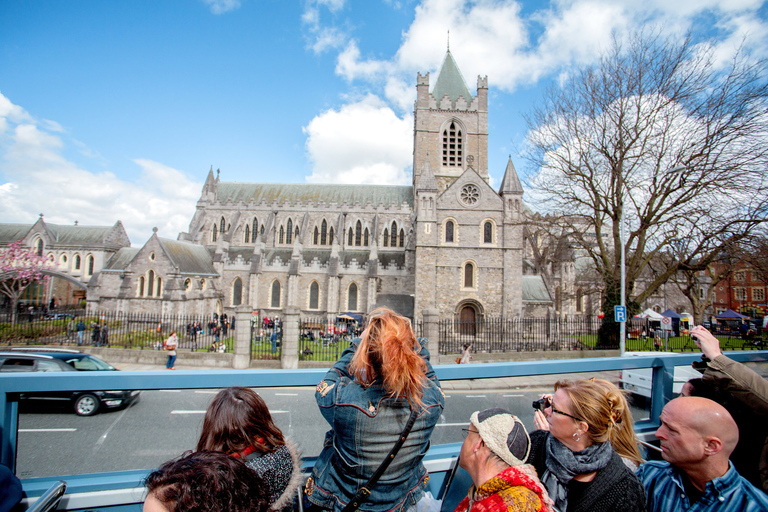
pixel 307 193
pixel 189 258
pixel 9 233
pixel 121 258
pixel 534 290
pixel 450 82
pixel 511 182
pixel 65 235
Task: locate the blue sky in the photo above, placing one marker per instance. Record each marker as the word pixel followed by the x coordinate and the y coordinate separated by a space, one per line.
pixel 115 110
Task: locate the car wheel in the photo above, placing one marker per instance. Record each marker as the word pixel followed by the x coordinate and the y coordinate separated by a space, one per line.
pixel 86 405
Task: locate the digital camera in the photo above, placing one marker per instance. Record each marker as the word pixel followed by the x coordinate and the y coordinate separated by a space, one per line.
pixel 542 403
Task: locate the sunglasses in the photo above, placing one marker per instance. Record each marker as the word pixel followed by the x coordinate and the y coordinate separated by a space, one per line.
pixel 558 411
pixel 466 431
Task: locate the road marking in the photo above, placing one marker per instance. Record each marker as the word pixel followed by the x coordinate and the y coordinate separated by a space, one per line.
pixel 279 412
pixel 286 394
pixel 206 392
pixel 187 412
pixel 47 429
pixel 511 396
pixel 169 390
pixel 452 424
pixel 475 396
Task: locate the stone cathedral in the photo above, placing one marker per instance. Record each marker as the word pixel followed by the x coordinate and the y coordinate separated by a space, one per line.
pixel 448 242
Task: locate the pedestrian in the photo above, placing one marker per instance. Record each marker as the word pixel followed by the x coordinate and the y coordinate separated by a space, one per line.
pixel 105 336
pixel 466 356
pixel 170 347
pixel 273 339
pixel 193 332
pixel 71 328
pixel 80 330
pixel 95 334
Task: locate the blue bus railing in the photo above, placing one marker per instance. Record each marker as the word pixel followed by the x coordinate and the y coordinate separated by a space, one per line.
pixel 87 491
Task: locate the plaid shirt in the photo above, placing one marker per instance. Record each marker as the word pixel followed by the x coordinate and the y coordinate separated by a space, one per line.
pixel 730 492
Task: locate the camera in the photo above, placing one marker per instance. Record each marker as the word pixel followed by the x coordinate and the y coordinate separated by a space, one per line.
pixel 542 403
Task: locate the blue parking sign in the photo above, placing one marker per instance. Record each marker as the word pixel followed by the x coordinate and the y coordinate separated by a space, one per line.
pixel 620 313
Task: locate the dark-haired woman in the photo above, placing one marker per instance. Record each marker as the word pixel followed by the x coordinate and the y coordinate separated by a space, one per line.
pixel 239 424
pixel 367 398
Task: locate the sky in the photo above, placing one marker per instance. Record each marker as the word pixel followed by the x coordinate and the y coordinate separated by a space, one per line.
pixel 116 110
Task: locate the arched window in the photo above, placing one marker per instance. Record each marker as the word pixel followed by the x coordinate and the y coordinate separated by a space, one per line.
pixel 365 237
pixel 261 230
pixel 89 262
pixel 282 234
pixel 449 232
pixel 63 259
pixel 289 232
pixel 579 301
pixel 323 228
pixel 159 287
pixel 358 233
pixel 237 292
pixel 402 237
pixel 255 230
pixel 213 234
pixel 141 286
pixel 316 237
pixel 330 236
pixel 488 233
pixel 187 284
pixel 247 237
pixel 223 227
pixel 352 297
pixel 469 275
pixel 39 246
pixel 393 234
pixel 78 262
pixel 349 238
pixel 150 283
pixel 386 237
pixel 314 295
pixel 275 302
pixel 453 146
pixel 296 232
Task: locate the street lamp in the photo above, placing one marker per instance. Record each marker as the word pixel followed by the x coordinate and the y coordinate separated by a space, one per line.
pixel 623 325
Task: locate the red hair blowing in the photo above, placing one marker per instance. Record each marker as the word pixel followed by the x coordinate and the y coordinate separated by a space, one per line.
pixel 389 350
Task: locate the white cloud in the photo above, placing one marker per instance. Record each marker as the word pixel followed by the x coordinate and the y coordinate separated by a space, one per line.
pixel 37 178
pixel 222 6
pixel 362 142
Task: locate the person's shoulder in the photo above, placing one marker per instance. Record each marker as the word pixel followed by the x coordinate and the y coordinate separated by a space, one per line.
pixel 652 469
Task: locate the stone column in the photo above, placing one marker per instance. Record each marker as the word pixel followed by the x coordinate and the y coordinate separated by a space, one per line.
pixel 242 359
pixel 431 318
pixel 289 358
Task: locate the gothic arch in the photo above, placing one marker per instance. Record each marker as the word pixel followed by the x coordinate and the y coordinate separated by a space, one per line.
pixel 452 143
pixel 488 232
pixel 449 231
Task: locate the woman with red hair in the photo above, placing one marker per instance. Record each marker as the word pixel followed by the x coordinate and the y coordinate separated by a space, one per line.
pixel 367 397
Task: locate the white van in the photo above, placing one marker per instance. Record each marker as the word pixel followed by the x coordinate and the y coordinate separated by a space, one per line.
pixel 638 380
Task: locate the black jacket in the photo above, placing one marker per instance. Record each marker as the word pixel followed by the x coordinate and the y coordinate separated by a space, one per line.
pixel 614 489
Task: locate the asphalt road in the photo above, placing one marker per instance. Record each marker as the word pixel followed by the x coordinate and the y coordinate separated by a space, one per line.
pixel 163 424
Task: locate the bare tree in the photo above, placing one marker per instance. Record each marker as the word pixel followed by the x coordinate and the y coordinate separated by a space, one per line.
pixel 655 133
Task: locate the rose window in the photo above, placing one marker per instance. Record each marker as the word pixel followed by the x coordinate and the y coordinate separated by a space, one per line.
pixel 470 195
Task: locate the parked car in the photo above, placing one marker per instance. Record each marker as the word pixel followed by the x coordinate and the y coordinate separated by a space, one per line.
pixel 83 403
pixel 638 380
pixel 58 316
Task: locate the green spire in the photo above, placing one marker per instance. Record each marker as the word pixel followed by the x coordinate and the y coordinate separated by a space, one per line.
pixel 450 82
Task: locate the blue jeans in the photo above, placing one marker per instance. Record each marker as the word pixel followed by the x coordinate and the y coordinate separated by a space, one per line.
pixel 171 362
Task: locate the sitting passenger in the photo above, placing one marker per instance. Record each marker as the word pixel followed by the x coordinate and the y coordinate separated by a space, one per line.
pixel 697 436
pixel 493 453
pixel 239 424
pixel 575 459
pixel 205 482
pixel 368 398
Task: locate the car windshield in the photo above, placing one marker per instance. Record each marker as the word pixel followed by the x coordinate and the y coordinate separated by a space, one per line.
pixel 89 363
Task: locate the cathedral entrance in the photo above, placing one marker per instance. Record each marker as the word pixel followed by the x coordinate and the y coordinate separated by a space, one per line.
pixel 467 324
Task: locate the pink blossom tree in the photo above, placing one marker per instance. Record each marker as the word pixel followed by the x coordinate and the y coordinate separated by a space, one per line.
pixel 19 267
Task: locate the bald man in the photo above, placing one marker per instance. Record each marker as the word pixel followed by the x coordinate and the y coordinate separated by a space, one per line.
pixel 697 436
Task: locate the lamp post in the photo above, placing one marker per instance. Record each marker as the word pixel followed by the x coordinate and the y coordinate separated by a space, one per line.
pixel 623 325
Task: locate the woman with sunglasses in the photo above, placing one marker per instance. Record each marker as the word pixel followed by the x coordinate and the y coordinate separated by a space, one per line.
pixel 367 398
pixel 575 458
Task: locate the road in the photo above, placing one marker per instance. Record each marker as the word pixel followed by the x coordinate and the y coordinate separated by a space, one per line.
pixel 163 424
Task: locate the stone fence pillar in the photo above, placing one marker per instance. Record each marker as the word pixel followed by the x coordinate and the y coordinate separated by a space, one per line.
pixel 289 357
pixel 431 329
pixel 242 359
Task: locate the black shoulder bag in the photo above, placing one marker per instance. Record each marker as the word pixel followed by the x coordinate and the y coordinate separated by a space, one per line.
pixel 363 493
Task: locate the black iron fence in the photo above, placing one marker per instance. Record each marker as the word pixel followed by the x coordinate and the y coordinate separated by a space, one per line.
pixel 122 330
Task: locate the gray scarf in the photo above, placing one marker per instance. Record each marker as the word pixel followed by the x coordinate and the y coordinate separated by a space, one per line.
pixel 563 465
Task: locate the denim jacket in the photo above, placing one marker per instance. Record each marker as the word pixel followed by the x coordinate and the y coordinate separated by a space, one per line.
pixel 365 425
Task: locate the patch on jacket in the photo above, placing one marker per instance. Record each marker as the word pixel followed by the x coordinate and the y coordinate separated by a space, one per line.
pixel 323 388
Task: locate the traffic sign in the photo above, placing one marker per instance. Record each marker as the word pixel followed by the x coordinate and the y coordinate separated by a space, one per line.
pixel 620 313
pixel 666 323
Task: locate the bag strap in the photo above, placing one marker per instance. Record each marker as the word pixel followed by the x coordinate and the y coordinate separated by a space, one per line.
pixel 364 492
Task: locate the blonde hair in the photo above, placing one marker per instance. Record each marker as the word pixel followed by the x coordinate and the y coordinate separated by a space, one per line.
pixel 606 411
pixel 389 350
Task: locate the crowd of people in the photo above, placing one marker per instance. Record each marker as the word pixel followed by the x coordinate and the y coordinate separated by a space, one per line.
pixel 382 401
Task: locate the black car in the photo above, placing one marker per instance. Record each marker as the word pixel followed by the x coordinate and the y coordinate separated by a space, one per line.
pixel 84 403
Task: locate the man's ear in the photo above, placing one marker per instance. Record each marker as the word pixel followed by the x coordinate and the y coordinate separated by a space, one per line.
pixel 712 445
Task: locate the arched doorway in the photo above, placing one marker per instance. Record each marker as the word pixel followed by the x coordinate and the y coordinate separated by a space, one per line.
pixel 467 320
